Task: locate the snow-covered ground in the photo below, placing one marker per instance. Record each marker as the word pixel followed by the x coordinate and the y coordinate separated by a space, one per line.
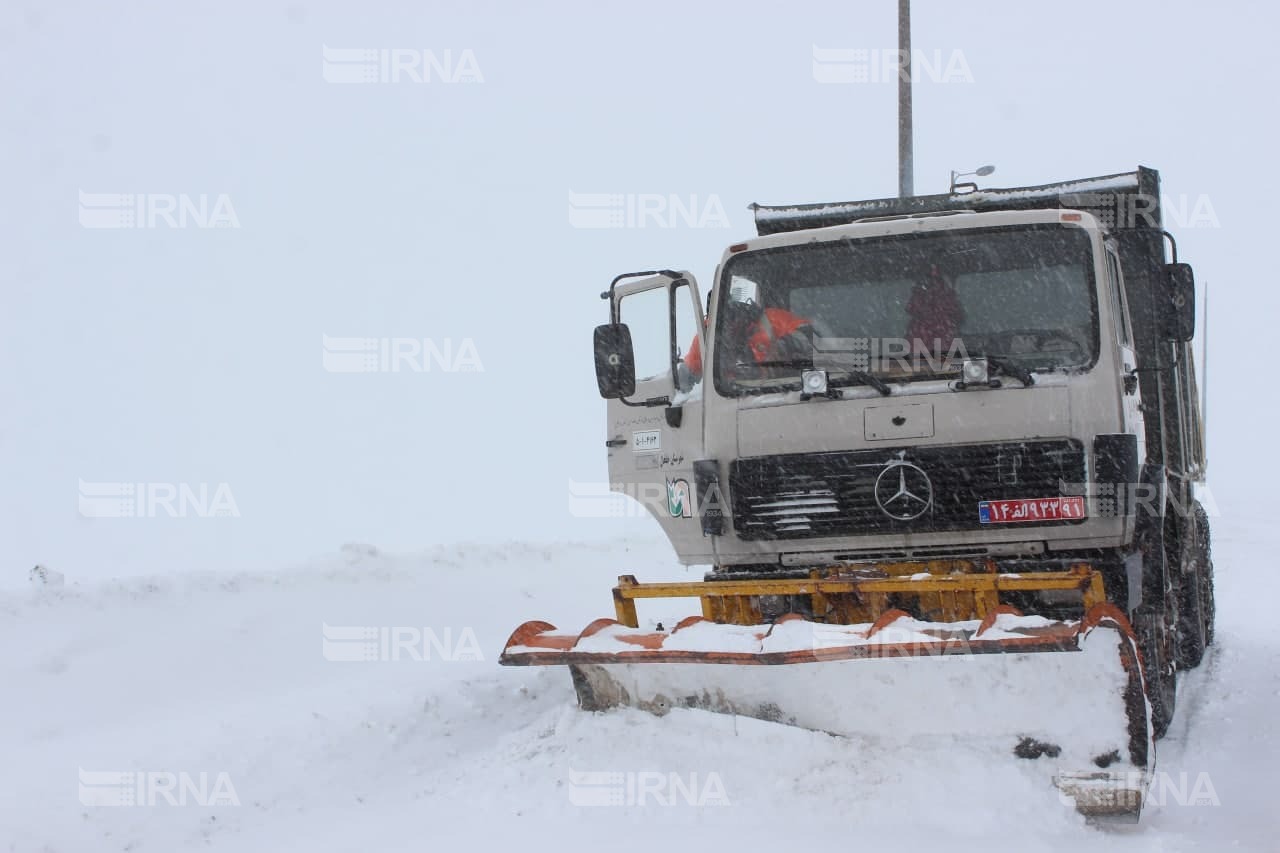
pixel 227 675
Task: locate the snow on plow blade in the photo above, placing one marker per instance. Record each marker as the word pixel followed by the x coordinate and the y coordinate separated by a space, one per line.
pixel 1069 693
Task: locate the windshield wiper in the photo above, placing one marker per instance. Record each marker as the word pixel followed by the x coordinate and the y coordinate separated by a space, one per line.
pixel 860 377
pixel 1008 367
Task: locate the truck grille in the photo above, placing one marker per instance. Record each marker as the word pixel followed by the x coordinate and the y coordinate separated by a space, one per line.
pixel 809 495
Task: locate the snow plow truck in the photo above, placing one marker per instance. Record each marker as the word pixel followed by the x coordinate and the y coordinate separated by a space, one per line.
pixel 941 454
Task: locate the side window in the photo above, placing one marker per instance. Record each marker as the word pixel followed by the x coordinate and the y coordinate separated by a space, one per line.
pixel 648 315
pixel 1119 306
pixel 688 349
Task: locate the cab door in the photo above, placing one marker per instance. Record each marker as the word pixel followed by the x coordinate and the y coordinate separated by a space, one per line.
pixel 654 436
pixel 1131 399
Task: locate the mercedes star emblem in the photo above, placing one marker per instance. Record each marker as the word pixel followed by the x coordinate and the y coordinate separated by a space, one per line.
pixel 903 491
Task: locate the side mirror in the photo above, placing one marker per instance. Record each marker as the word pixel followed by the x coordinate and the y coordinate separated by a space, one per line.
pixel 615 361
pixel 1181 284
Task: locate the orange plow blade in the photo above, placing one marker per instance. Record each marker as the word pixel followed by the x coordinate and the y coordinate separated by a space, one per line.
pixel 1068 694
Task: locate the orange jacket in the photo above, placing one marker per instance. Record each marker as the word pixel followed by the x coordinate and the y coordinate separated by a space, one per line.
pixel 781 323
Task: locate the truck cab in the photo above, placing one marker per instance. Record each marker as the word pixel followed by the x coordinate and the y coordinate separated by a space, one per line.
pixel 1000 380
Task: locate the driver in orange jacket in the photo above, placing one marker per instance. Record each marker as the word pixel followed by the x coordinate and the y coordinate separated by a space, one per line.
pixel 763 334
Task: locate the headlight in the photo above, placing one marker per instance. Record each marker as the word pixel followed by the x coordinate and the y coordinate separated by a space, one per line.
pixel 974 371
pixel 814 381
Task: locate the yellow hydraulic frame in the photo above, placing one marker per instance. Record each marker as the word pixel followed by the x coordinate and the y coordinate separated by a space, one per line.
pixel 941 591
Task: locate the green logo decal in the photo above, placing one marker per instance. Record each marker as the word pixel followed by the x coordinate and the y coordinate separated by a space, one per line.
pixel 679 499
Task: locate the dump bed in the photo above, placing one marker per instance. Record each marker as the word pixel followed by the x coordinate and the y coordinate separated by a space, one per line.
pixel 1126 201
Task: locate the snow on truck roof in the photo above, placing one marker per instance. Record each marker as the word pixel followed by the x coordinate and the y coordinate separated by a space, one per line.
pixel 1104 193
pixel 888 226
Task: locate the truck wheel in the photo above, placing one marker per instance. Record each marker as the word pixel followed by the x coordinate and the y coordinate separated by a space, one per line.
pixel 1204 554
pixel 1195 597
pixel 1191 624
pixel 1156 643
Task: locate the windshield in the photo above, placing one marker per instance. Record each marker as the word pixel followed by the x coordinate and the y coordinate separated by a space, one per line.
pixel 907 307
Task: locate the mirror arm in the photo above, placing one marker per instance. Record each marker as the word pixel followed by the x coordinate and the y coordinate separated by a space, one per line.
pixel 613 285
pixel 644 404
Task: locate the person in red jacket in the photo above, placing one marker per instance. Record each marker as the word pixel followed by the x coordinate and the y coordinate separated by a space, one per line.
pixel 762 331
pixel 935 314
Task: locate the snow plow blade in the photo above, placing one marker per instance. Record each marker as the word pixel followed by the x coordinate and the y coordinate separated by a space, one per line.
pixel 1067 694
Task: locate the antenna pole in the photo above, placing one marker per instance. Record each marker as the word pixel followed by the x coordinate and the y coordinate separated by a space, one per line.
pixel 1204 380
pixel 906 164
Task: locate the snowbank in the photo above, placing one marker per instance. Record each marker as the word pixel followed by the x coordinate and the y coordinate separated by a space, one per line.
pixel 430 743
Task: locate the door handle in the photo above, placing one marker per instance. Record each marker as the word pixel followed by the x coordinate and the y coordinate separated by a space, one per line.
pixel 615 442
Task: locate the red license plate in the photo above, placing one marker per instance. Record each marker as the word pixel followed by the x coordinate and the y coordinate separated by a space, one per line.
pixel 1024 510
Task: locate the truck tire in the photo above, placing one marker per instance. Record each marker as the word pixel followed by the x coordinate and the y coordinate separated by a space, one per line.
pixel 1204 553
pixel 1155 619
pixel 1159 669
pixel 1191 624
pixel 1192 638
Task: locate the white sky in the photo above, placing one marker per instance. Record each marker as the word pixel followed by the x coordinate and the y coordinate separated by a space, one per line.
pixel 441 210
